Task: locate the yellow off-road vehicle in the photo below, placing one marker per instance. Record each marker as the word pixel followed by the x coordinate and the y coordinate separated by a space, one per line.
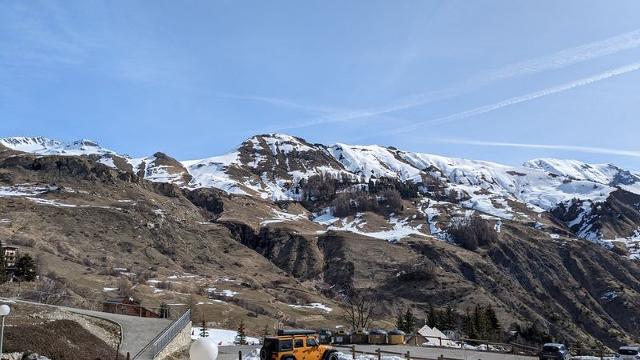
pixel 294 344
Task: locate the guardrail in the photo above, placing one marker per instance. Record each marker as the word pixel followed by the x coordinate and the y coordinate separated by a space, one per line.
pixel 155 346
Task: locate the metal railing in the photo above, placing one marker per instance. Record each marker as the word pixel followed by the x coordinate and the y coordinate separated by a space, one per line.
pixel 155 346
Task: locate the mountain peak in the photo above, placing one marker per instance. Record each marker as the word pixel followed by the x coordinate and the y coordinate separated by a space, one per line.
pixel 574 169
pixel 41 145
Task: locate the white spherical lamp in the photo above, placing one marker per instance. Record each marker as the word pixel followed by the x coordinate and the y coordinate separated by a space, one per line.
pixel 203 349
pixel 4 310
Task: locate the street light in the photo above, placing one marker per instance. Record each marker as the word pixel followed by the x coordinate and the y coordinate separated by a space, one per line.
pixel 4 311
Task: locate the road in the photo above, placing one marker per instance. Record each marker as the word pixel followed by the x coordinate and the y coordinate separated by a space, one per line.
pixel 231 352
pixel 137 332
pixel 434 353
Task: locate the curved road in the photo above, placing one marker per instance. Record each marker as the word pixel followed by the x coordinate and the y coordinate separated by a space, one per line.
pixel 137 332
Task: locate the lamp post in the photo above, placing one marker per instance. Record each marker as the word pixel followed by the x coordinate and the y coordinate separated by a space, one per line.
pixel 4 311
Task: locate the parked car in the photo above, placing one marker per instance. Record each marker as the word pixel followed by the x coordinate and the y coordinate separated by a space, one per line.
pixel 631 352
pixel 295 344
pixel 554 351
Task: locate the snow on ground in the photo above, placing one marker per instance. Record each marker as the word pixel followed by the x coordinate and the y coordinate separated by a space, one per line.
pixel 24 190
pixel 280 216
pixel 375 161
pixel 210 173
pixel 430 211
pixel 631 243
pixel 400 230
pixel 485 204
pixel 106 160
pixel 324 217
pixel 609 295
pixel 212 302
pixel 224 292
pixel 317 306
pixel 221 337
pixel 48 202
pixel 348 356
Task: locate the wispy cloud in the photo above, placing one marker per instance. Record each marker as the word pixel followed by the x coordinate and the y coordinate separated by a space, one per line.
pixel 521 99
pixel 573 148
pixel 553 61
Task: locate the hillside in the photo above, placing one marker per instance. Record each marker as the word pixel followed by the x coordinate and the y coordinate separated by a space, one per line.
pixel 282 228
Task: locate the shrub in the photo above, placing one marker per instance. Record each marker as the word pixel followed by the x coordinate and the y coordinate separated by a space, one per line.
pixel 393 199
pixel 473 232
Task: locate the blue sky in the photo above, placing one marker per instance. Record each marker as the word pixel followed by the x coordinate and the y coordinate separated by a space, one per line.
pixel 496 80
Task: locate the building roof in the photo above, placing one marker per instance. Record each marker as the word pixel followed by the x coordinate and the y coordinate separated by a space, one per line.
pixel 433 336
pixel 120 300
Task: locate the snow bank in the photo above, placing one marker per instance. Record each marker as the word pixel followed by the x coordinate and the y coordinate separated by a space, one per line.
pixel 221 337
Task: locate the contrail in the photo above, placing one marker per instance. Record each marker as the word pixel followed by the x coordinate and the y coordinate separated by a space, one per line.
pixel 582 149
pixel 553 61
pixel 520 99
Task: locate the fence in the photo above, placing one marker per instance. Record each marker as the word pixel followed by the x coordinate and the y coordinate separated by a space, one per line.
pixel 155 346
pixel 379 352
pixel 96 304
pixel 512 348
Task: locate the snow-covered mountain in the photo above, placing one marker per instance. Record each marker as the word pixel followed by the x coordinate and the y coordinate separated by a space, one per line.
pixel 45 146
pixel 591 200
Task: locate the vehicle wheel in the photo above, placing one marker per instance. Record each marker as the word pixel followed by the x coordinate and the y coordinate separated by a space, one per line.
pixel 263 354
pixel 332 356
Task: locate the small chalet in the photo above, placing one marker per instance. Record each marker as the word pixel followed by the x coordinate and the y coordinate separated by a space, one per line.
pixel 428 336
pixel 10 256
pixel 127 306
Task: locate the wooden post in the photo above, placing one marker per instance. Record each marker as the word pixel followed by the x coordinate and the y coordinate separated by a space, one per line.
pixel 440 339
pixel 408 355
pixel 441 357
pixel 240 355
pixel 128 356
pixel 353 352
pixel 378 351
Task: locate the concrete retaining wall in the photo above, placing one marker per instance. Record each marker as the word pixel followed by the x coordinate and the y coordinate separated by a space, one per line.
pixel 179 343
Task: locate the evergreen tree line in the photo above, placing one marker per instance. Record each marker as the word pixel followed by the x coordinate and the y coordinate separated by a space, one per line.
pixel 482 323
pixel 24 269
pixel 479 323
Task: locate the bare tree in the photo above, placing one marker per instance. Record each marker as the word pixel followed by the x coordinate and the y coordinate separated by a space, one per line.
pixel 359 310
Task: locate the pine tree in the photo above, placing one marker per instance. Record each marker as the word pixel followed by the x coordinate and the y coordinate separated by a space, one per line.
pixel 433 318
pixel 400 325
pixel 26 268
pixel 493 323
pixel 3 267
pixel 409 322
pixel 164 311
pixel 468 326
pixel 203 330
pixel 449 320
pixel 241 338
pixel 266 331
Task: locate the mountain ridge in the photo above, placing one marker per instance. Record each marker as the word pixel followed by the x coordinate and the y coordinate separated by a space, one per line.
pixel 554 251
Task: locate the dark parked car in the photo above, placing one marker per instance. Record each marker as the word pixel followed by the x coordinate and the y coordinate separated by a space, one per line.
pixel 553 351
pixel 631 352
